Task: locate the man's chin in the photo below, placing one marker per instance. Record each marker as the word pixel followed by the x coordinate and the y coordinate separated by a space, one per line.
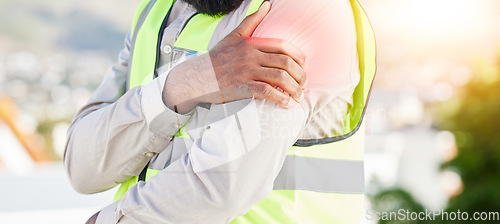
pixel 214 7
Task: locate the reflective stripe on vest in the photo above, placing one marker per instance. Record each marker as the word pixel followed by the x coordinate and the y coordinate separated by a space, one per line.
pixel 321 180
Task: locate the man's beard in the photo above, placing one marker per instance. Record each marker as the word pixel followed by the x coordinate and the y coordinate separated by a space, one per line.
pixel 214 7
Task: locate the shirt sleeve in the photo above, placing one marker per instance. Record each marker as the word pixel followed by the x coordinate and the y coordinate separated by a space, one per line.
pixel 115 134
pixel 230 166
pixel 233 160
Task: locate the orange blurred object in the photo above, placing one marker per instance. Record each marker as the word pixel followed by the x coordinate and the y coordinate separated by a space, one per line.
pixel 8 114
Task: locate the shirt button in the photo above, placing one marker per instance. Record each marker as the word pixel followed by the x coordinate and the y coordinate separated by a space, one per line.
pixel 149 154
pixel 167 49
pixel 207 127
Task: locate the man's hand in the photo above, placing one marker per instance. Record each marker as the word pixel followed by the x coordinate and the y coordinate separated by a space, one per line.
pixel 258 64
pixel 239 67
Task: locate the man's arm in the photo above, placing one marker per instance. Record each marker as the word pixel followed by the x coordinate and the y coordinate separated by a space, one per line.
pixel 234 161
pixel 111 138
pixel 239 67
pixel 224 172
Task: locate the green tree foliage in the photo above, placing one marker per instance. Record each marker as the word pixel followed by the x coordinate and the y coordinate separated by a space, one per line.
pixel 392 203
pixel 474 117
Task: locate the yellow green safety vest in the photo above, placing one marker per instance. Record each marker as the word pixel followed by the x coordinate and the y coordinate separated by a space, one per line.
pixel 322 180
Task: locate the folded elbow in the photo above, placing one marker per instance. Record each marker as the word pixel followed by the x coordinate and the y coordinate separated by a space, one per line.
pixel 80 178
pixel 82 186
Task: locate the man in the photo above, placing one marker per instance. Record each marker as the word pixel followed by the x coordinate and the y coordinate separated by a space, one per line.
pixel 233 150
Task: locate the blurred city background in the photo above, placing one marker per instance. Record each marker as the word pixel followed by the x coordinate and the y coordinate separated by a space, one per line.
pixel 431 125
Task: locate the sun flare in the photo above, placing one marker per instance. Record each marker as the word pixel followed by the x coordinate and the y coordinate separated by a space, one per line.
pixel 442 19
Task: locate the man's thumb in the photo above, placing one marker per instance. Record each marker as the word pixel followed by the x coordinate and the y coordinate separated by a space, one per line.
pixel 249 24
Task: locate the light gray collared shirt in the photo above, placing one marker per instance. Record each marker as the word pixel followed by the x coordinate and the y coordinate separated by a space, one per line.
pixel 234 150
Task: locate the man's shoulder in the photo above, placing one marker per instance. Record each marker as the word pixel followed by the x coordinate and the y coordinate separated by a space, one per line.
pixel 287 17
pixel 300 11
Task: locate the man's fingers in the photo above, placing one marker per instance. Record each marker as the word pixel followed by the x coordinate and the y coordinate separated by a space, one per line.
pixel 248 25
pixel 285 63
pixel 277 64
pixel 278 46
pixel 281 79
pixel 262 90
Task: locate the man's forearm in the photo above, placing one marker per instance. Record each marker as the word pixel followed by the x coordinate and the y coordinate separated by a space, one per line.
pixel 113 143
pixel 218 179
pixel 111 138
